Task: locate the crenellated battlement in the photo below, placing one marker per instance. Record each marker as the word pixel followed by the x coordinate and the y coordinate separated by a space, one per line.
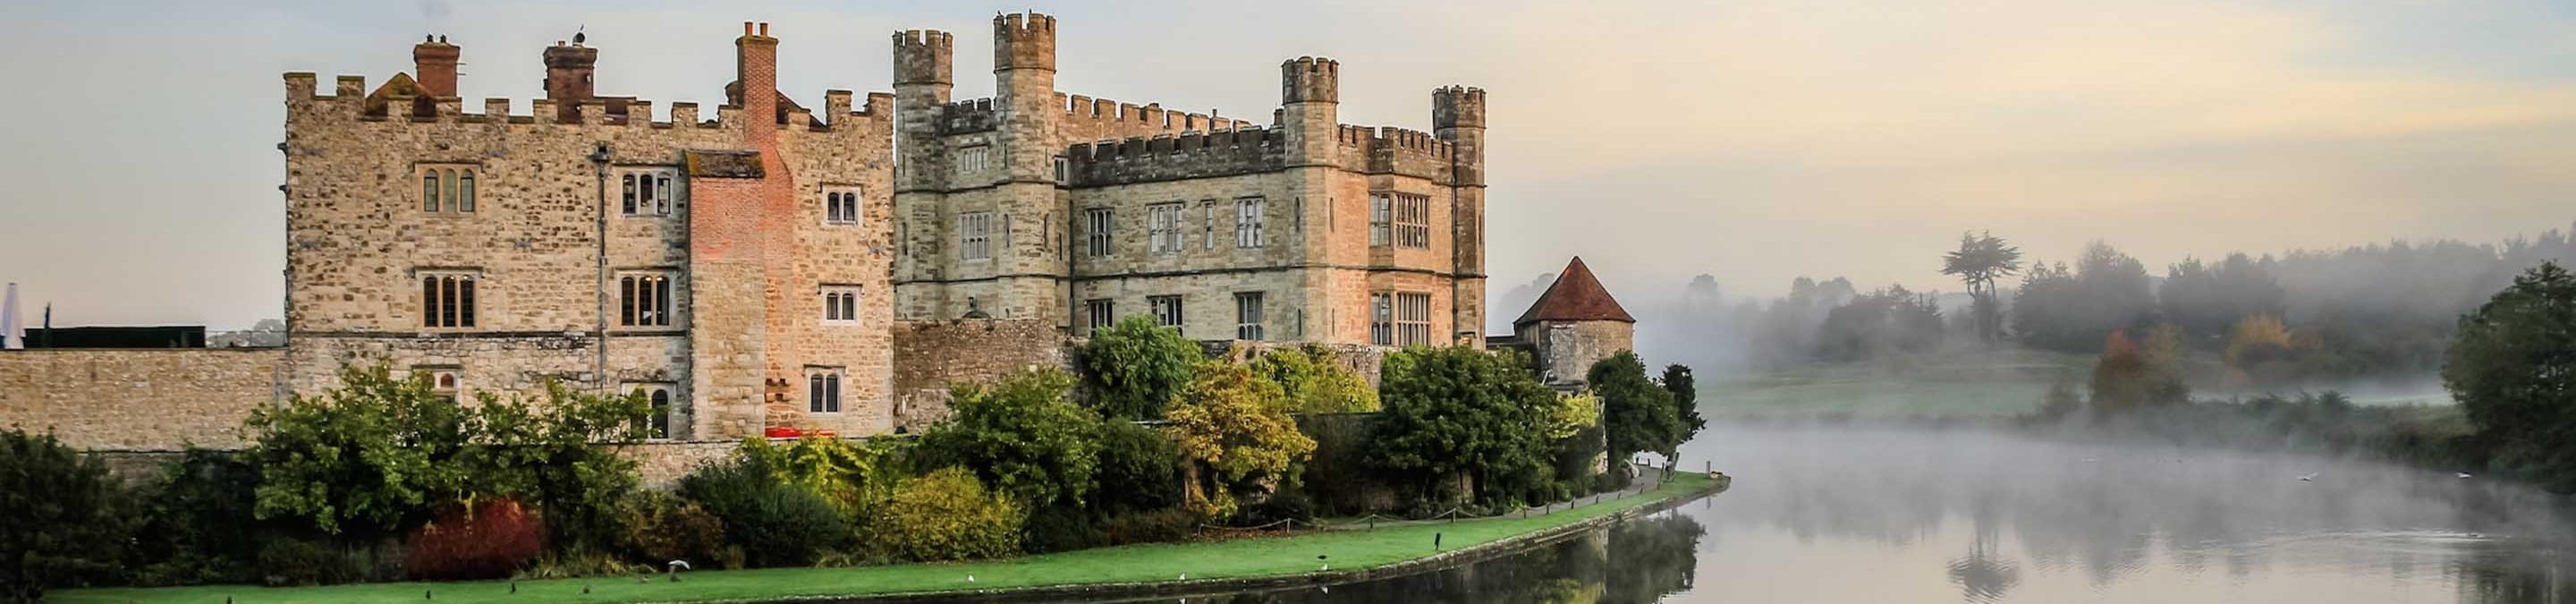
pixel 1190 154
pixel 1108 119
pixel 1023 41
pixel 349 100
pixel 923 56
pixel 970 115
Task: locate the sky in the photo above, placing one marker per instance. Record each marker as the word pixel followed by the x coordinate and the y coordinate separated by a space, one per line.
pixel 1752 140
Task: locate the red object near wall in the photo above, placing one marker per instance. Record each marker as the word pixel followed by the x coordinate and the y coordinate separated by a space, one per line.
pixel 783 432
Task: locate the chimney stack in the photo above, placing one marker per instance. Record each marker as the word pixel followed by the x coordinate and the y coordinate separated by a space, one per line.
pixel 568 70
pixel 433 63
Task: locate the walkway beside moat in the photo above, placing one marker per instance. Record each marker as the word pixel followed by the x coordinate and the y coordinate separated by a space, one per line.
pixel 1138 570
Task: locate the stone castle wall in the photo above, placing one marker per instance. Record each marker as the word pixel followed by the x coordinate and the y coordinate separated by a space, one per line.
pixel 139 399
pixel 930 355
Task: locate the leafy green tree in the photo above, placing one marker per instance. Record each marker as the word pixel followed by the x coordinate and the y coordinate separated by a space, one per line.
pixel 2074 309
pixel 1236 437
pixel 1456 412
pixel 550 454
pixel 849 473
pixel 1677 380
pixel 1638 414
pixel 1134 368
pixel 198 526
pixel 2513 370
pixel 2207 300
pixel 947 515
pixel 1140 469
pixel 1021 435
pixel 366 459
pixel 62 520
pixel 1980 260
pixel 1314 381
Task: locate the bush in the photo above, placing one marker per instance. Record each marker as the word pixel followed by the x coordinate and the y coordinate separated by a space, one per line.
pixel 486 539
pixel 848 473
pixel 947 515
pixel 1058 528
pixel 1140 469
pixel 776 523
pixel 660 527
pixel 198 524
pixel 1453 412
pixel 62 520
pixel 1154 526
pixel 285 560
pixel 1021 436
pixel 1133 369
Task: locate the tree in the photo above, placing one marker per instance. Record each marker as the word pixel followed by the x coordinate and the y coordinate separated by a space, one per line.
pixel 1133 369
pixel 1638 414
pixel 1022 436
pixel 549 454
pixel 1879 323
pixel 2073 310
pixel 2513 369
pixel 2132 375
pixel 1455 412
pixel 2206 300
pixel 2260 352
pixel 62 520
pixel 1235 437
pixel 1315 381
pixel 1677 380
pixel 368 458
pixel 1980 260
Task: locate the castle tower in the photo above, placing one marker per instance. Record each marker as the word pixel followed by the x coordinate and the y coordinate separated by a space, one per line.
pixel 1310 93
pixel 568 74
pixel 1033 274
pixel 923 75
pixel 1458 116
pixel 433 64
pixel 1575 324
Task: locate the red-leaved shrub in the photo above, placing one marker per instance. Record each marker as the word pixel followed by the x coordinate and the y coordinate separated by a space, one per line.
pixel 489 540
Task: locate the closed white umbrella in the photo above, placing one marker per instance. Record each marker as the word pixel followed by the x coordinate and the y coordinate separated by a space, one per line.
pixel 9 338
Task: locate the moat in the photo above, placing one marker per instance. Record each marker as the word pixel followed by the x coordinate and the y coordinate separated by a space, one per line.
pixel 1850 514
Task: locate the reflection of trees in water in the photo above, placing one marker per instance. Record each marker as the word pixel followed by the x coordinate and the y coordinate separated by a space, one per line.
pixel 1632 562
pixel 2509 575
pixel 2106 510
pixel 1983 575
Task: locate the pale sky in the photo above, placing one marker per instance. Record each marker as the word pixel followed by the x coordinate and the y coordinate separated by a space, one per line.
pixel 1754 140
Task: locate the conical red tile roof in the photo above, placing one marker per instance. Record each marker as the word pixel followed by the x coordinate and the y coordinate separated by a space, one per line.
pixel 1576 296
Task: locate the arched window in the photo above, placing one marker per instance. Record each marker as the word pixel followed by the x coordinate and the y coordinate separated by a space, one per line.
pixel 661 414
pixel 449 177
pixel 831 393
pixel 629 199
pixel 465 200
pixel 814 393
pixel 429 191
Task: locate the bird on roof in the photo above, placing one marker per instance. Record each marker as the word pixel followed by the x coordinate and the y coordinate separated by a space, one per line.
pixel 577 35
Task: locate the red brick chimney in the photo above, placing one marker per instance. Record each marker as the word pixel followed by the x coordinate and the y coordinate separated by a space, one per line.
pixel 433 64
pixel 756 67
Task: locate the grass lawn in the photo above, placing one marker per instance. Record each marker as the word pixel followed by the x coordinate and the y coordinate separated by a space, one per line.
pixel 1968 384
pixel 1248 557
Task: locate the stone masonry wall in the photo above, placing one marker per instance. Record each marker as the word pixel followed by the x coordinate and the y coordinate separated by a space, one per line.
pixel 929 355
pixel 138 400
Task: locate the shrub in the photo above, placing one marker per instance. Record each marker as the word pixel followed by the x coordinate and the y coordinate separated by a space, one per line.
pixel 486 539
pixel 1058 528
pixel 1638 414
pixel 198 526
pixel 947 515
pixel 1140 469
pixel 846 472
pixel 62 520
pixel 1133 369
pixel 1021 436
pixel 1289 505
pixel 660 527
pixel 1152 526
pixel 776 523
pixel 366 458
pixel 579 563
pixel 291 561
pixel 548 454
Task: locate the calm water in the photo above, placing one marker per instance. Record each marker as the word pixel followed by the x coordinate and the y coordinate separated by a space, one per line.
pixel 1854 515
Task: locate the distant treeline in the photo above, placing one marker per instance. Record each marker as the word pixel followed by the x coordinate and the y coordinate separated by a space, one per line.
pixel 2322 315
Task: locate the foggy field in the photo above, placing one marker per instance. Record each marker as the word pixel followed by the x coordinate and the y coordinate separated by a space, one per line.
pixel 1988 384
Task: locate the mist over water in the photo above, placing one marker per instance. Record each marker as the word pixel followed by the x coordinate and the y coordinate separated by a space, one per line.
pixel 1852 514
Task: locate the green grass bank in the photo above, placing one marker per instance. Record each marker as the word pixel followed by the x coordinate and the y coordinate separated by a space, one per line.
pixel 1209 565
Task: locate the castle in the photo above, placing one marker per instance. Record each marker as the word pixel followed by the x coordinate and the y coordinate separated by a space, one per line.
pixel 769 266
